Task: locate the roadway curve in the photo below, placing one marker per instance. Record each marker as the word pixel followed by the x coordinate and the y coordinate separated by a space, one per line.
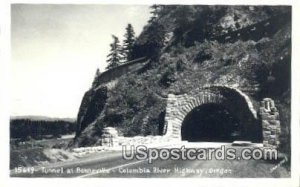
pixel 116 166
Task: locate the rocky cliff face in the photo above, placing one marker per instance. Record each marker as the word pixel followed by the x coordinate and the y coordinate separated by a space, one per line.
pixel 238 46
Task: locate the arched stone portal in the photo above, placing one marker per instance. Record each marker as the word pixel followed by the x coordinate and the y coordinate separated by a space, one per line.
pixel 211 123
pixel 233 100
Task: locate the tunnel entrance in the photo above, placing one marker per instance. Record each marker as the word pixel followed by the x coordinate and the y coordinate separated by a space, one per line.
pixel 211 123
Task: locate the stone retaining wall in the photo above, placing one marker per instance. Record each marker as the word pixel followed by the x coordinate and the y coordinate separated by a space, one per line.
pixel 110 138
pixel 179 106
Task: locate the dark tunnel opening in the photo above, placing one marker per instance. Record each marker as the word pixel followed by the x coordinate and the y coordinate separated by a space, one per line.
pixel 211 123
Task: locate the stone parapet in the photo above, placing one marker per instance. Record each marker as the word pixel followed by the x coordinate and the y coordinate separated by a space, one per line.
pixel 109 137
pixel 270 122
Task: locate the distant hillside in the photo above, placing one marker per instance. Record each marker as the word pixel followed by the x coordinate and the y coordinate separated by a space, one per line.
pixel 26 127
pixel 42 118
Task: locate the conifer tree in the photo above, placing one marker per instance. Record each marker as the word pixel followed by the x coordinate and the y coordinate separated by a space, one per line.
pixel 128 43
pixel 154 12
pixel 114 57
pixel 96 80
pixel 156 38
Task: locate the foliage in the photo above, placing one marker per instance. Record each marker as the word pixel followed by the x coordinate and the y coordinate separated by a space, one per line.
pixel 154 11
pixel 128 43
pixel 25 128
pixel 155 38
pixel 192 59
pixel 114 57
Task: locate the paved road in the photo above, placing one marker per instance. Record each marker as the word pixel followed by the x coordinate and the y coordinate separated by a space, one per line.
pixel 111 164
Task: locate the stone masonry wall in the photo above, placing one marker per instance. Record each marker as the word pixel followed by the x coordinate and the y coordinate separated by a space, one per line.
pixel 270 123
pixel 110 138
pixel 178 106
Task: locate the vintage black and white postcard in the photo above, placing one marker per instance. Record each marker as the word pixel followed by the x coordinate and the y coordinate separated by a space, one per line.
pixel 152 90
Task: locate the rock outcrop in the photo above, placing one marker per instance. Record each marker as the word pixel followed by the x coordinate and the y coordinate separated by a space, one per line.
pixel 241 47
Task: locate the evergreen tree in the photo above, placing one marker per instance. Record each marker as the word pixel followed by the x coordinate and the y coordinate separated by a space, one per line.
pixel 154 12
pixel 156 38
pixel 128 43
pixel 114 57
pixel 156 34
pixel 97 72
pixel 183 18
pixel 153 37
pixel 95 82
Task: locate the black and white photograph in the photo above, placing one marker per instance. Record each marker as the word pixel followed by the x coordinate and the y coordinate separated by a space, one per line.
pixel 151 91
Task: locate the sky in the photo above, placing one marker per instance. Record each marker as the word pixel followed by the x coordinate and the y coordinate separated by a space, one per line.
pixel 56 50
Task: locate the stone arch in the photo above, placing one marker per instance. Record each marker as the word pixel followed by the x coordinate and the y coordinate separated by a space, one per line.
pixel 238 103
